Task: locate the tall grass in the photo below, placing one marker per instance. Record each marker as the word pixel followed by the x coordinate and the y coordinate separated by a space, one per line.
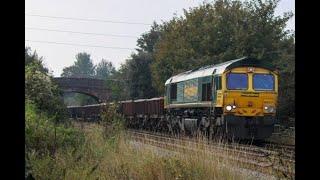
pixel 44 136
pixel 107 152
pixel 100 158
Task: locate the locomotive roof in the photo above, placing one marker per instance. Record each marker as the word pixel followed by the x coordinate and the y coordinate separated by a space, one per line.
pixel 201 72
pixel 217 69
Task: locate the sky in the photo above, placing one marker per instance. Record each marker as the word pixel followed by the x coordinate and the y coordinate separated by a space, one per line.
pixel 137 15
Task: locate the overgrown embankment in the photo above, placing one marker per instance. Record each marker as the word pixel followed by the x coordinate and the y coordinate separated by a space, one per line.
pixel 104 151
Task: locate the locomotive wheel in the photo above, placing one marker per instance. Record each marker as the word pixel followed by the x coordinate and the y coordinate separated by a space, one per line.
pixel 202 132
pixel 163 126
pixel 176 130
pixel 218 133
pixel 210 132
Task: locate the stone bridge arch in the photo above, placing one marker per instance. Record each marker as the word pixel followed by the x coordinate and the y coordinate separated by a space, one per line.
pixel 89 86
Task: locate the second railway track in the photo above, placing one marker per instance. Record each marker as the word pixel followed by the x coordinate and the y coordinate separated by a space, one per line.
pixel 259 159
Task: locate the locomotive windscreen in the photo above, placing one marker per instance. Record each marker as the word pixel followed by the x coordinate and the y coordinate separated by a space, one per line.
pixel 263 82
pixel 237 81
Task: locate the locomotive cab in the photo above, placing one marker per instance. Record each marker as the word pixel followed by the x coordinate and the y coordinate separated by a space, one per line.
pixel 249 101
pixel 249 92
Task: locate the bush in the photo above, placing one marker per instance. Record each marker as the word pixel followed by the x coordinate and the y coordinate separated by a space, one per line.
pixel 112 122
pixel 40 88
pixel 43 135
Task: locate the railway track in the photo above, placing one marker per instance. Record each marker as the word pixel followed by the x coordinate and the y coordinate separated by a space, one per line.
pixel 267 148
pixel 251 157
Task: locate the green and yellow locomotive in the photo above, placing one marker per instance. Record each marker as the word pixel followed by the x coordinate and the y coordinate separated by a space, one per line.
pixel 237 98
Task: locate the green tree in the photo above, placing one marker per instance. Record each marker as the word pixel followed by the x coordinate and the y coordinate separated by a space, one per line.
pixel 135 74
pixel 32 59
pixel 40 88
pixel 286 67
pixel 46 125
pixel 138 74
pixel 118 82
pixel 217 32
pixel 82 67
pixel 148 40
pixel 104 69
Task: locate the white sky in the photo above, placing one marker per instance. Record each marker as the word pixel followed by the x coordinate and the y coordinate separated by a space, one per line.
pixel 56 57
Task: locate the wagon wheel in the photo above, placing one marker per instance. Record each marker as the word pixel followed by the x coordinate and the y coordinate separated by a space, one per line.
pixel 210 132
pixel 177 130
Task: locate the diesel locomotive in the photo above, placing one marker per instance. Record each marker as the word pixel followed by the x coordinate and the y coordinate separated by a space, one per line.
pixel 237 98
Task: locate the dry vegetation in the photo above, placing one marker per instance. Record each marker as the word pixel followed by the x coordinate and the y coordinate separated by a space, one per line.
pixel 116 158
pixel 107 151
pixel 284 136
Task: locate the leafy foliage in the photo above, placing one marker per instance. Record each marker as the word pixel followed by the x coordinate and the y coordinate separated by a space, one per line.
pixel 40 89
pixel 217 32
pixel 32 59
pixel 104 69
pixel 82 68
pixel 286 66
pixel 118 85
pixel 147 41
pixel 113 124
pixel 139 76
pixel 46 128
pixel 134 78
pixel 43 135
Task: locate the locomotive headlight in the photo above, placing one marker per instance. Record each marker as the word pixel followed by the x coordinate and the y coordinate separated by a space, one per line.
pixel 228 108
pixel 233 107
pixel 269 109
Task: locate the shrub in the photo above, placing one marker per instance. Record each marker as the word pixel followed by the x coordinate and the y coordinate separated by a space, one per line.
pixel 43 135
pixel 112 122
pixel 40 88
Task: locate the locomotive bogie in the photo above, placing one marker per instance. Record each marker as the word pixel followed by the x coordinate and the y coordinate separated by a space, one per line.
pixel 249 128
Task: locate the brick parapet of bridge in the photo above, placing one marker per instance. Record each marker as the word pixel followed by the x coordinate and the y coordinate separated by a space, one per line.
pixel 89 86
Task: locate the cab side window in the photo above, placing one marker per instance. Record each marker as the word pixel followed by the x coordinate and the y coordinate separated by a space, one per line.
pixel 173 91
pixel 217 86
pixel 206 92
pixel 218 82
